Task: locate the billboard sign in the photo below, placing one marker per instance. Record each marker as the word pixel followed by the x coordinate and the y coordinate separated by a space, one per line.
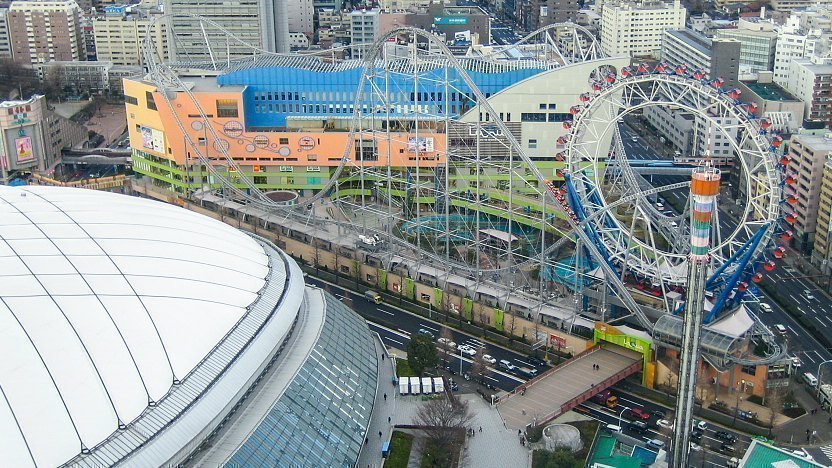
pixel 424 145
pixel 23 150
pixel 449 20
pixel 556 341
pixel 152 139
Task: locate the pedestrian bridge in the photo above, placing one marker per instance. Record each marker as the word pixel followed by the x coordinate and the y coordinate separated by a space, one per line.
pixel 566 386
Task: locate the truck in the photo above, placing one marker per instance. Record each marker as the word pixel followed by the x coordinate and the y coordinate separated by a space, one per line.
pixel 527 372
pixel 438 385
pixel 373 296
pixel 404 386
pixel 606 398
pixel 825 395
pixel 415 386
pixel 427 385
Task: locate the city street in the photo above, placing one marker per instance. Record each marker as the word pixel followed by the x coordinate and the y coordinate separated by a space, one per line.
pixel 407 324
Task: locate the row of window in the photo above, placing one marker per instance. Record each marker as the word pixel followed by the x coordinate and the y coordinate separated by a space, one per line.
pixel 350 96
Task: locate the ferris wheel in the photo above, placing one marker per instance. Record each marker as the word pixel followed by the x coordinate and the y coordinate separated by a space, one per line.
pixel 647 246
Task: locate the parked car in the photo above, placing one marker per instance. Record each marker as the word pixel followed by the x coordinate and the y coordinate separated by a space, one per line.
pixel 488 358
pixel 659 414
pixel 534 360
pixel 696 435
pixel 701 425
pixel 694 447
pixel 726 448
pixel 637 414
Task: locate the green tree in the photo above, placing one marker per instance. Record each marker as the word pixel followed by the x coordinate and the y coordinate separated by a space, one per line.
pixel 421 353
pixel 563 459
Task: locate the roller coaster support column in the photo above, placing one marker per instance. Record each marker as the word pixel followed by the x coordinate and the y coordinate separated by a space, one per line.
pixel 704 188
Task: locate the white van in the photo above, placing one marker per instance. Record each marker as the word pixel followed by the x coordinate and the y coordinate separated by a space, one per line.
pixel 780 329
pixel 613 428
pixel 655 444
pixel 810 379
pixel 765 308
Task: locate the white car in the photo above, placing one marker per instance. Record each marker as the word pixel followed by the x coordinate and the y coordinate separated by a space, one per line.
pixel 796 362
pixel 664 423
pixel 446 343
pixel 466 349
pixel 808 295
pixel 694 447
pixel 803 454
pixel 488 358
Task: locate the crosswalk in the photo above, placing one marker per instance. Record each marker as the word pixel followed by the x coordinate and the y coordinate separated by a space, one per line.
pixel 827 450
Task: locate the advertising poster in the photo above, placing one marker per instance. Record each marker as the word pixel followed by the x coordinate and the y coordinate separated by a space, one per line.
pixel 152 139
pixel 424 145
pixel 23 150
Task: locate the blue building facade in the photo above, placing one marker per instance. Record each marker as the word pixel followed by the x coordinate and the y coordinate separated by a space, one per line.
pixel 275 93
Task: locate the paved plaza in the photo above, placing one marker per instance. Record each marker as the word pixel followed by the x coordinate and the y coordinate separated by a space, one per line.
pixel 544 396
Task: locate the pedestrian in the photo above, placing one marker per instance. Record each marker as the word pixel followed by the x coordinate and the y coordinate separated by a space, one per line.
pixel 830 419
pixel 481 427
pixel 385 397
pixel 519 432
pixel 379 434
pixel 382 357
pixel 389 419
pixel 366 439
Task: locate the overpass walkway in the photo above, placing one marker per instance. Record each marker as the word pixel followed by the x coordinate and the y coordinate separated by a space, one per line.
pixel 564 387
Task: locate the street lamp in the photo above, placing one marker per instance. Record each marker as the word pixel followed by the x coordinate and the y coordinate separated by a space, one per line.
pixel 460 362
pixel 620 416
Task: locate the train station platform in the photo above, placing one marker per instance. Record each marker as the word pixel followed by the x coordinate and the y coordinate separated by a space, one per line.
pixel 564 387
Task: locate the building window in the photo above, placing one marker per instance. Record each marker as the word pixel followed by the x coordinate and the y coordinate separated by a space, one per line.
pixel 131 100
pixel 533 117
pixel 311 157
pixel 532 144
pixel 283 141
pixel 151 104
pixel 227 108
pixel 260 180
pixel 553 106
pixel 542 106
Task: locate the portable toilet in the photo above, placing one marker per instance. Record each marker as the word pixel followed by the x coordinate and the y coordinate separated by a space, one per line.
pixel 415 386
pixel 427 385
pixel 438 385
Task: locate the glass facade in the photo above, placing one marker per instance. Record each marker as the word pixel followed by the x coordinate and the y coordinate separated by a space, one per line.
pixel 322 417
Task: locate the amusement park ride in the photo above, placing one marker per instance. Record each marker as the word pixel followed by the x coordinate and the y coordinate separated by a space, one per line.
pixel 586 229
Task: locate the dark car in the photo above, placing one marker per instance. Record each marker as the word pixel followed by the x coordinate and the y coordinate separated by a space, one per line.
pixel 658 414
pixel 726 448
pixel 638 426
pixel 726 436
pixel 696 435
pixel 536 361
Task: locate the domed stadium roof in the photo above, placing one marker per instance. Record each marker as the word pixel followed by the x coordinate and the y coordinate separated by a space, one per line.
pixel 107 302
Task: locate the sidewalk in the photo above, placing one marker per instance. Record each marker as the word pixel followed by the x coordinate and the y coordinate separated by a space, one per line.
pixel 794 431
pixel 370 455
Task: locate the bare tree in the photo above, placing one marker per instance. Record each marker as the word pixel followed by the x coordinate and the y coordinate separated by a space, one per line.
pixel 444 422
pixel 479 368
pixel 445 344
pixel 774 402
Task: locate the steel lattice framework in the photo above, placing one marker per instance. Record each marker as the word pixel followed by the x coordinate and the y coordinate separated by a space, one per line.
pixel 471 201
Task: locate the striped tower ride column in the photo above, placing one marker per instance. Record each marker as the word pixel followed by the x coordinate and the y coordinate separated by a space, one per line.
pixel 703 190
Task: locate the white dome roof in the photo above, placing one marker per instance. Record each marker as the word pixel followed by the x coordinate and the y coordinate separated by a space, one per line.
pixel 105 299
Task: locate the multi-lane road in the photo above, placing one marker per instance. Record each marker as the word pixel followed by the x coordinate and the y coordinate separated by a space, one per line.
pixel 406 324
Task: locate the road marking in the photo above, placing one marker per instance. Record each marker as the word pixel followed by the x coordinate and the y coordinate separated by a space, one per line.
pixel 792 329
pixel 429 327
pixel 385 311
pixel 399 332
pixel 391 339
pixel 806 353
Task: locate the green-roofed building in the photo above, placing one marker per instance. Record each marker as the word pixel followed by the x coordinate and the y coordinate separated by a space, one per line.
pixel 763 455
pixel 621 451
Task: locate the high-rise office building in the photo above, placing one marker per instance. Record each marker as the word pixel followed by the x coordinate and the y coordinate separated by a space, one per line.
pixel 262 23
pixel 5 42
pixel 546 12
pixel 758 39
pixel 636 28
pixel 46 30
